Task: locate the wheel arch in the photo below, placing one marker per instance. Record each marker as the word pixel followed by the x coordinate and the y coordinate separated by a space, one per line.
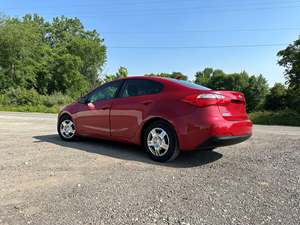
pixel 152 120
pixel 65 113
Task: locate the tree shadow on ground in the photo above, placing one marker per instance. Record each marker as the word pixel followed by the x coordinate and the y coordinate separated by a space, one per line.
pixel 131 152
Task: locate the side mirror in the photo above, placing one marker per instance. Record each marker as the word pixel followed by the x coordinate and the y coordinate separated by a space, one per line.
pixel 91 106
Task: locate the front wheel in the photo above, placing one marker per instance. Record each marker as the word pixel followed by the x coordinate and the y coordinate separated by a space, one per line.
pixel 66 128
pixel 160 142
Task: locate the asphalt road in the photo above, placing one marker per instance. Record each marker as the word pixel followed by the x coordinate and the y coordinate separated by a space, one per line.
pixel 44 180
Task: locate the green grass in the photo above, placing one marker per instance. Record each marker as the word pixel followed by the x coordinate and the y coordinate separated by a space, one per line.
pixel 284 117
pixel 30 108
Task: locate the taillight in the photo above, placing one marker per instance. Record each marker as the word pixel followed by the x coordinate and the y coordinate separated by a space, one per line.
pixel 207 99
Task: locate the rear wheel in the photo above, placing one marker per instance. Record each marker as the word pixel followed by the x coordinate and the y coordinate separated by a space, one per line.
pixel 66 128
pixel 160 142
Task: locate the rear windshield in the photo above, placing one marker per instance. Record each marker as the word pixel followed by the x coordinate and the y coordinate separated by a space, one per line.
pixel 189 84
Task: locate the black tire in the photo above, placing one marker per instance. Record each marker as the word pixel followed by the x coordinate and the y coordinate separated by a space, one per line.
pixel 208 149
pixel 172 152
pixel 62 136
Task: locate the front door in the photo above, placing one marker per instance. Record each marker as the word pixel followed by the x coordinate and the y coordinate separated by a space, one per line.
pixel 93 117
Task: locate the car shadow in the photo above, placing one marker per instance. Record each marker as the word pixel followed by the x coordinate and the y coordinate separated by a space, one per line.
pixel 131 152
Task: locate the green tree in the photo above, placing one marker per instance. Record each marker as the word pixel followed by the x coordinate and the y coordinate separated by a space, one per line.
pixel 276 98
pixel 122 72
pixel 290 59
pixel 21 50
pixel 254 87
pixel 69 33
pixel 256 92
pixel 203 77
pixel 57 56
pixel 217 79
pixel 293 99
pixel 174 75
pixel 66 76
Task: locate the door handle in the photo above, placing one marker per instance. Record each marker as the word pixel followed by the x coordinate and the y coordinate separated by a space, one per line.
pixel 147 102
pixel 105 107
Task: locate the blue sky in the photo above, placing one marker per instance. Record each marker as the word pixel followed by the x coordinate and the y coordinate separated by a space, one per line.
pixel 195 28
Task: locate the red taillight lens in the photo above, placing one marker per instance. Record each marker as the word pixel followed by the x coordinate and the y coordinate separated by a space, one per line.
pixel 207 99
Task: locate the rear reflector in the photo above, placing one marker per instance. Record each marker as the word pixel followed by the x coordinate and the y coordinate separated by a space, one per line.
pixel 207 99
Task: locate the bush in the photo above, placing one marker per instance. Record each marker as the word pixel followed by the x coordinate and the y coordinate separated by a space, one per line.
pixel 20 96
pixel 23 100
pixel 293 99
pixel 276 99
pixel 4 99
pixel 284 117
pixel 55 99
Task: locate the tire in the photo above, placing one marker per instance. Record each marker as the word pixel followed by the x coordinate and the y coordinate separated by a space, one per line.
pixel 160 142
pixel 63 131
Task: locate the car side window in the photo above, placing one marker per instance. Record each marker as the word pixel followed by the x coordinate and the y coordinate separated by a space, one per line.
pixel 105 92
pixel 138 87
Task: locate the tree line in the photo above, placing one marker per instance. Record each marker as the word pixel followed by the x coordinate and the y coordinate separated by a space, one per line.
pixel 62 58
pixel 49 57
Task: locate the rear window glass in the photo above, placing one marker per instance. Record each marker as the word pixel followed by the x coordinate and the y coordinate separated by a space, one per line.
pixel 138 87
pixel 189 84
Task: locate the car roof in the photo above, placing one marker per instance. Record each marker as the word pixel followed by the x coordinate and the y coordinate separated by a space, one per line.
pixel 166 81
pixel 155 78
pixel 143 77
pixel 171 82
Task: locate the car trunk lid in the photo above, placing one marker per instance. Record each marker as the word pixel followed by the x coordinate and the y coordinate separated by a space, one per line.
pixel 231 104
pixel 235 107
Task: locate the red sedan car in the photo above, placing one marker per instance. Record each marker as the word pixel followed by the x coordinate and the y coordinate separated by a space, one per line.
pixel 162 114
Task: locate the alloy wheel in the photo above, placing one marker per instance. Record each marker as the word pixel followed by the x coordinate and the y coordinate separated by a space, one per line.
pixel 67 129
pixel 158 142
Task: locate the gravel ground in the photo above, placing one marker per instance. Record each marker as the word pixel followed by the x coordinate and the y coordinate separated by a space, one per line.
pixel 44 180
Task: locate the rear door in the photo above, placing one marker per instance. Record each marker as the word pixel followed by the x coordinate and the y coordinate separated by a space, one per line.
pixel 133 104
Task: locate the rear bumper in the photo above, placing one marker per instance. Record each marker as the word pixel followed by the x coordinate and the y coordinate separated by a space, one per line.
pixel 214 133
pixel 215 142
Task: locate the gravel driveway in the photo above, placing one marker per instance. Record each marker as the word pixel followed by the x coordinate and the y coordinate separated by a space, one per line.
pixel 44 180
